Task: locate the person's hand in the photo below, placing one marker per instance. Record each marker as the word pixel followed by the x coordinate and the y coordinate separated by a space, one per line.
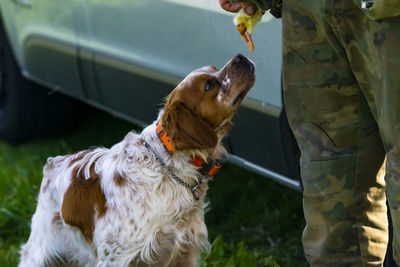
pixel 235 7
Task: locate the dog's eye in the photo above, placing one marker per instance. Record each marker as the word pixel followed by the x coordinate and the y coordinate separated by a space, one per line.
pixel 210 84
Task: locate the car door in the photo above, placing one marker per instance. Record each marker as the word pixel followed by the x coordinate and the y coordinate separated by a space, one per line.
pixel 43 37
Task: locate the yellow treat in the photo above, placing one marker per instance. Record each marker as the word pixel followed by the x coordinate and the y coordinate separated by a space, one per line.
pixel 246 24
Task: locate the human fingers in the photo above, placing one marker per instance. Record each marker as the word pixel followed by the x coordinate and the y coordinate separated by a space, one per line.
pixel 249 8
pixel 229 6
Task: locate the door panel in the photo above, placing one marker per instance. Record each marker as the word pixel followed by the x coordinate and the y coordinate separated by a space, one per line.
pixel 42 33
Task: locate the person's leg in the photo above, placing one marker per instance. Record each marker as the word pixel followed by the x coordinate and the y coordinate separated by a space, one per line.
pixel 374 54
pixel 344 200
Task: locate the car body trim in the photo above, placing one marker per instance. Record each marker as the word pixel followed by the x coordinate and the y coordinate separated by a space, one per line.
pixel 138 69
pixel 283 180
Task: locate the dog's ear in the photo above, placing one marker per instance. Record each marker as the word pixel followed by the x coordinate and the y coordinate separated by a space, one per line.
pixel 186 129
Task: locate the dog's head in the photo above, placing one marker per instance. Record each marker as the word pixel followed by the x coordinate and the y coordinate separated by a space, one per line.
pixel 198 113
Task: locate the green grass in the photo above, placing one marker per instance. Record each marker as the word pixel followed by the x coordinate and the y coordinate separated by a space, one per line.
pixel 251 220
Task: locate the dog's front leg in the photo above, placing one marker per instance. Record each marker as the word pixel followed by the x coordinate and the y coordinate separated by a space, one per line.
pixel 41 247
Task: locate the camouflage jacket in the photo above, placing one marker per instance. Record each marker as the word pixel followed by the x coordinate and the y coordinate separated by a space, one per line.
pixel 374 9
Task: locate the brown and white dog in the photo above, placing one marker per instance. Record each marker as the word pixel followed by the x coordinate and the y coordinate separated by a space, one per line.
pixel 141 202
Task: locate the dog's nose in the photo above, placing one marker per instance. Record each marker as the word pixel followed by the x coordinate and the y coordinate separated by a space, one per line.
pixel 239 58
pixel 241 61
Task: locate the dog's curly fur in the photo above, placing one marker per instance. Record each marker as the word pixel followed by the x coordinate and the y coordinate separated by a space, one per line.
pixel 119 206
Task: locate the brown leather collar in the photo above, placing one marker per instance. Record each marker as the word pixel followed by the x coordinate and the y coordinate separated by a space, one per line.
pixel 209 168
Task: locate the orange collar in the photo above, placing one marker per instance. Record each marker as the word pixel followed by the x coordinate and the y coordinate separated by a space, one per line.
pixel 210 168
pixel 163 136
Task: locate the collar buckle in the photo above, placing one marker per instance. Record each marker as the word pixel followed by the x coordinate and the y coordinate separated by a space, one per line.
pixel 209 168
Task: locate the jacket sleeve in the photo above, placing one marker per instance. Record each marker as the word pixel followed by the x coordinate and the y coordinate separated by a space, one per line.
pixel 274 6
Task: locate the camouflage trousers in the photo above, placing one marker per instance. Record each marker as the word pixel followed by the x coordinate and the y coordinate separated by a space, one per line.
pixel 341 73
